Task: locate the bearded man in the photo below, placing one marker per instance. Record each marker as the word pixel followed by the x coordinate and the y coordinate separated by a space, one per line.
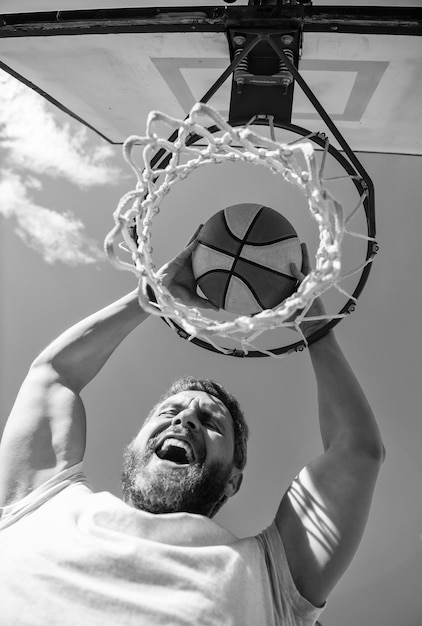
pixel 71 556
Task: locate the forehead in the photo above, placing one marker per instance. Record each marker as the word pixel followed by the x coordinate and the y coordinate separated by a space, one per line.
pixel 206 401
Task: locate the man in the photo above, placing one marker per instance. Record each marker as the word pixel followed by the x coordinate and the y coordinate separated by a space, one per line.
pixel 71 556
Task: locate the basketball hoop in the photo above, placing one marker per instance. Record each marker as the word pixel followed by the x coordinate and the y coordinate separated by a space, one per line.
pixel 295 162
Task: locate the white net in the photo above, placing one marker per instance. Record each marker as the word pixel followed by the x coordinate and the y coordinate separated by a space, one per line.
pixel 295 162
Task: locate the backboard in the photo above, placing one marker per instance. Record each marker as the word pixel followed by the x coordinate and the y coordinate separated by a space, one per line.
pixel 110 67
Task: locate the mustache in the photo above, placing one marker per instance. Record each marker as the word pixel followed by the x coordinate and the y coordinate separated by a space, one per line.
pixel 195 442
pixel 195 489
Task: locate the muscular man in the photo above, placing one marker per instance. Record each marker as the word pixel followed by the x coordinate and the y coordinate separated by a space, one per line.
pixel 70 556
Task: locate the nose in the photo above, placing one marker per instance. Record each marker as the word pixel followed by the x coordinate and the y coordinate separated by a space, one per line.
pixel 187 418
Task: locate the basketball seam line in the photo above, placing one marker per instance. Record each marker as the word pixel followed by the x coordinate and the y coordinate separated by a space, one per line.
pixel 255 245
pixel 232 271
pixel 236 256
pixel 251 289
pixel 233 267
pixel 255 295
pixel 242 241
pixel 255 217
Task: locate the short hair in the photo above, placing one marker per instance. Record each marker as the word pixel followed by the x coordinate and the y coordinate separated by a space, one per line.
pixel 240 427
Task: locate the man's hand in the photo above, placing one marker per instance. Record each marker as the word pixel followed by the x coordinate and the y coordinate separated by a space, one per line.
pixel 317 308
pixel 177 276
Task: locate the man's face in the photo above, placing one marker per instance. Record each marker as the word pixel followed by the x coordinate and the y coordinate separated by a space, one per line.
pixel 182 458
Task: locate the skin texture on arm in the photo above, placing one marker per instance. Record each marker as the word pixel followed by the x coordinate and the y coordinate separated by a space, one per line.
pixel 323 514
pixel 46 430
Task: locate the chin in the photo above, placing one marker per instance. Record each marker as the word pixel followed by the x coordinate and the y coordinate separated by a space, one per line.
pixel 166 487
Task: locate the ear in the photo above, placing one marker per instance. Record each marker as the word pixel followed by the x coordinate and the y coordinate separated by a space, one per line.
pixel 234 482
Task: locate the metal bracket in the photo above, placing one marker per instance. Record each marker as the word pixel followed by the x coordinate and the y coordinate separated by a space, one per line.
pixel 262 82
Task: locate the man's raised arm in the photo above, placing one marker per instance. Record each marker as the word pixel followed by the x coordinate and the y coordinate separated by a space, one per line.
pixel 322 517
pixel 45 432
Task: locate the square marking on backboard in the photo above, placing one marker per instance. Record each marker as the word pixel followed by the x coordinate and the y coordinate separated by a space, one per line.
pixel 345 88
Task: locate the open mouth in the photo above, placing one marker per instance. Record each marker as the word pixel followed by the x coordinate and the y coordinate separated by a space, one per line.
pixel 177 451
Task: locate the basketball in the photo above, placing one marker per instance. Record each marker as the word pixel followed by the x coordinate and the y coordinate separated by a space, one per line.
pixel 242 261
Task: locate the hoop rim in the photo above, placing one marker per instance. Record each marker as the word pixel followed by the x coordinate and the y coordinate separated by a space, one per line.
pixel 365 188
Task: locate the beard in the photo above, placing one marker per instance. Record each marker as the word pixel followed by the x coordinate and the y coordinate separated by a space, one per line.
pixel 195 488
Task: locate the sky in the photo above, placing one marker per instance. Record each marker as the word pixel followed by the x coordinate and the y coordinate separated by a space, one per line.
pixel 59 185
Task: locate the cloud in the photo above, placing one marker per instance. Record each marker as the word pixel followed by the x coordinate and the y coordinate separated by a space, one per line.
pixel 34 143
pixel 35 140
pixel 57 236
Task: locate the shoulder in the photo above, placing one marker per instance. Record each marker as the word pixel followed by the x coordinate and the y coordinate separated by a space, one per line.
pixel 287 598
pixel 44 494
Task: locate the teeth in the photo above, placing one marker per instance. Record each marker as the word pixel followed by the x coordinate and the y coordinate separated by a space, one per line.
pixel 178 443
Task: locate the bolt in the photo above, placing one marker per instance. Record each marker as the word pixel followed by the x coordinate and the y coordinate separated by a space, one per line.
pixel 239 40
pixel 287 40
